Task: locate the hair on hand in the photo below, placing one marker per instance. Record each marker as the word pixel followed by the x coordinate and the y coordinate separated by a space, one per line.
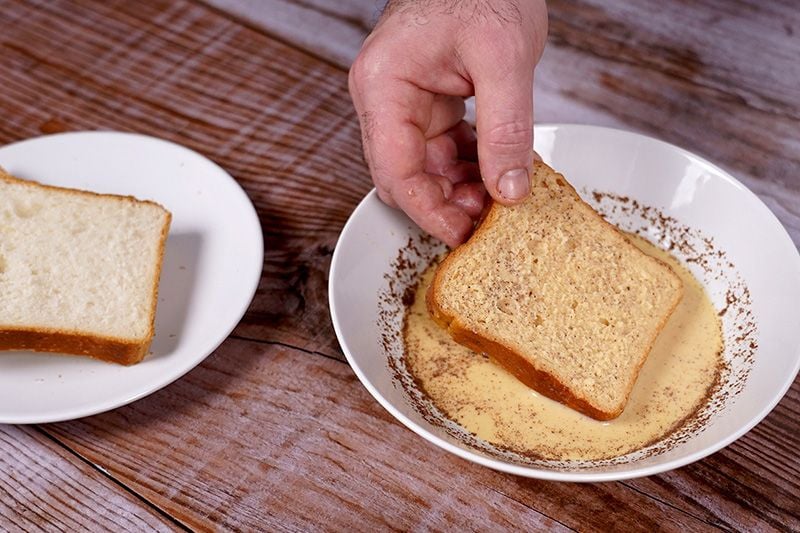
pixel 467 11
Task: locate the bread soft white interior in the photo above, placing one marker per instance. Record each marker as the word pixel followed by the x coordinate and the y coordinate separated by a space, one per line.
pixel 78 262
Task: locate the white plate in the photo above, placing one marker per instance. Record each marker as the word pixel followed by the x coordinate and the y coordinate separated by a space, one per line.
pixel 758 254
pixel 212 265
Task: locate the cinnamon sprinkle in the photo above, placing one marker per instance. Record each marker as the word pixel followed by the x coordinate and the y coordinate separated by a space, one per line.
pixel 697 251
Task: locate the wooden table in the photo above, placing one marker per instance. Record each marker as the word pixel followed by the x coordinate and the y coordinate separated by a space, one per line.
pixel 273 431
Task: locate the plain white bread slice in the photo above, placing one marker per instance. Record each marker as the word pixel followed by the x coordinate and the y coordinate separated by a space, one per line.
pixel 79 271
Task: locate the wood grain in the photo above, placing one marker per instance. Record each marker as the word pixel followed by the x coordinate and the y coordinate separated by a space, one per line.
pixel 265 435
pixel 44 487
pixel 716 77
pixel 283 126
pixel 330 29
pixel 272 437
pixel 729 488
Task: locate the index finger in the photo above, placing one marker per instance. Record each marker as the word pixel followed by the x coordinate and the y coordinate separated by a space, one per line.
pixel 400 113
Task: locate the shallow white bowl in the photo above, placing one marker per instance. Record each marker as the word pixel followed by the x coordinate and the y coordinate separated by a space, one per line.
pixel 759 259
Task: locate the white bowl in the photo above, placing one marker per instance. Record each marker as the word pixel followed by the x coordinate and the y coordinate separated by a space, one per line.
pixel 759 265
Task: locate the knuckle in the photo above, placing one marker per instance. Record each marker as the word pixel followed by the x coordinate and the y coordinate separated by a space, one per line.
pixel 356 73
pixel 512 48
pixel 515 44
pixel 351 79
pixel 519 39
pixel 368 64
pixel 507 137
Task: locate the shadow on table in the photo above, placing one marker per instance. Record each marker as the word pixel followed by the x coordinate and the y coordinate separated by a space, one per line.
pixel 178 279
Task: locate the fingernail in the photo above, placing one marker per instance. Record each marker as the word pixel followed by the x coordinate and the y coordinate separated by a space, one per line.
pixel 514 185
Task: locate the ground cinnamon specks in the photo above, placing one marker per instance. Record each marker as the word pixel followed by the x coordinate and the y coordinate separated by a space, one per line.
pixel 698 252
pixel 712 266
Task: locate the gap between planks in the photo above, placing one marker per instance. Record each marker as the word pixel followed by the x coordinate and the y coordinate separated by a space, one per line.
pixel 685 512
pixel 629 486
pixel 272 35
pixel 122 485
pixel 106 474
pixel 287 345
pixel 668 504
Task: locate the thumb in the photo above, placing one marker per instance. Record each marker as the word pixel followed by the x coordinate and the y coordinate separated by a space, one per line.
pixel 504 112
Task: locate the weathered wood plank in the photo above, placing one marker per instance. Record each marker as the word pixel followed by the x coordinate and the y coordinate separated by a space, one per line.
pixel 732 487
pixel 283 125
pixel 715 77
pixel 44 487
pixel 221 444
pixel 719 78
pixel 272 438
pixel 334 30
pixel 249 124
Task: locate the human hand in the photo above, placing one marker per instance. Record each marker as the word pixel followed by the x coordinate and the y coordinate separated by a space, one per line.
pixel 408 86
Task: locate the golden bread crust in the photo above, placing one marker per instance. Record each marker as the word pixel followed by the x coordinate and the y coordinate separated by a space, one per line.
pixel 103 348
pixel 5 176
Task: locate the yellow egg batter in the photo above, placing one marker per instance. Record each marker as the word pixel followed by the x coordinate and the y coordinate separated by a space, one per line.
pixel 488 401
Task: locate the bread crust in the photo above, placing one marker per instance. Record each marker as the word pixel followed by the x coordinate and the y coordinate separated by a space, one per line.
pixel 54 341
pixel 538 379
pixel 5 176
pixel 121 351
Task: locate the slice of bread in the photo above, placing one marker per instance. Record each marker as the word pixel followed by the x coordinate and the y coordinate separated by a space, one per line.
pixel 558 296
pixel 79 271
